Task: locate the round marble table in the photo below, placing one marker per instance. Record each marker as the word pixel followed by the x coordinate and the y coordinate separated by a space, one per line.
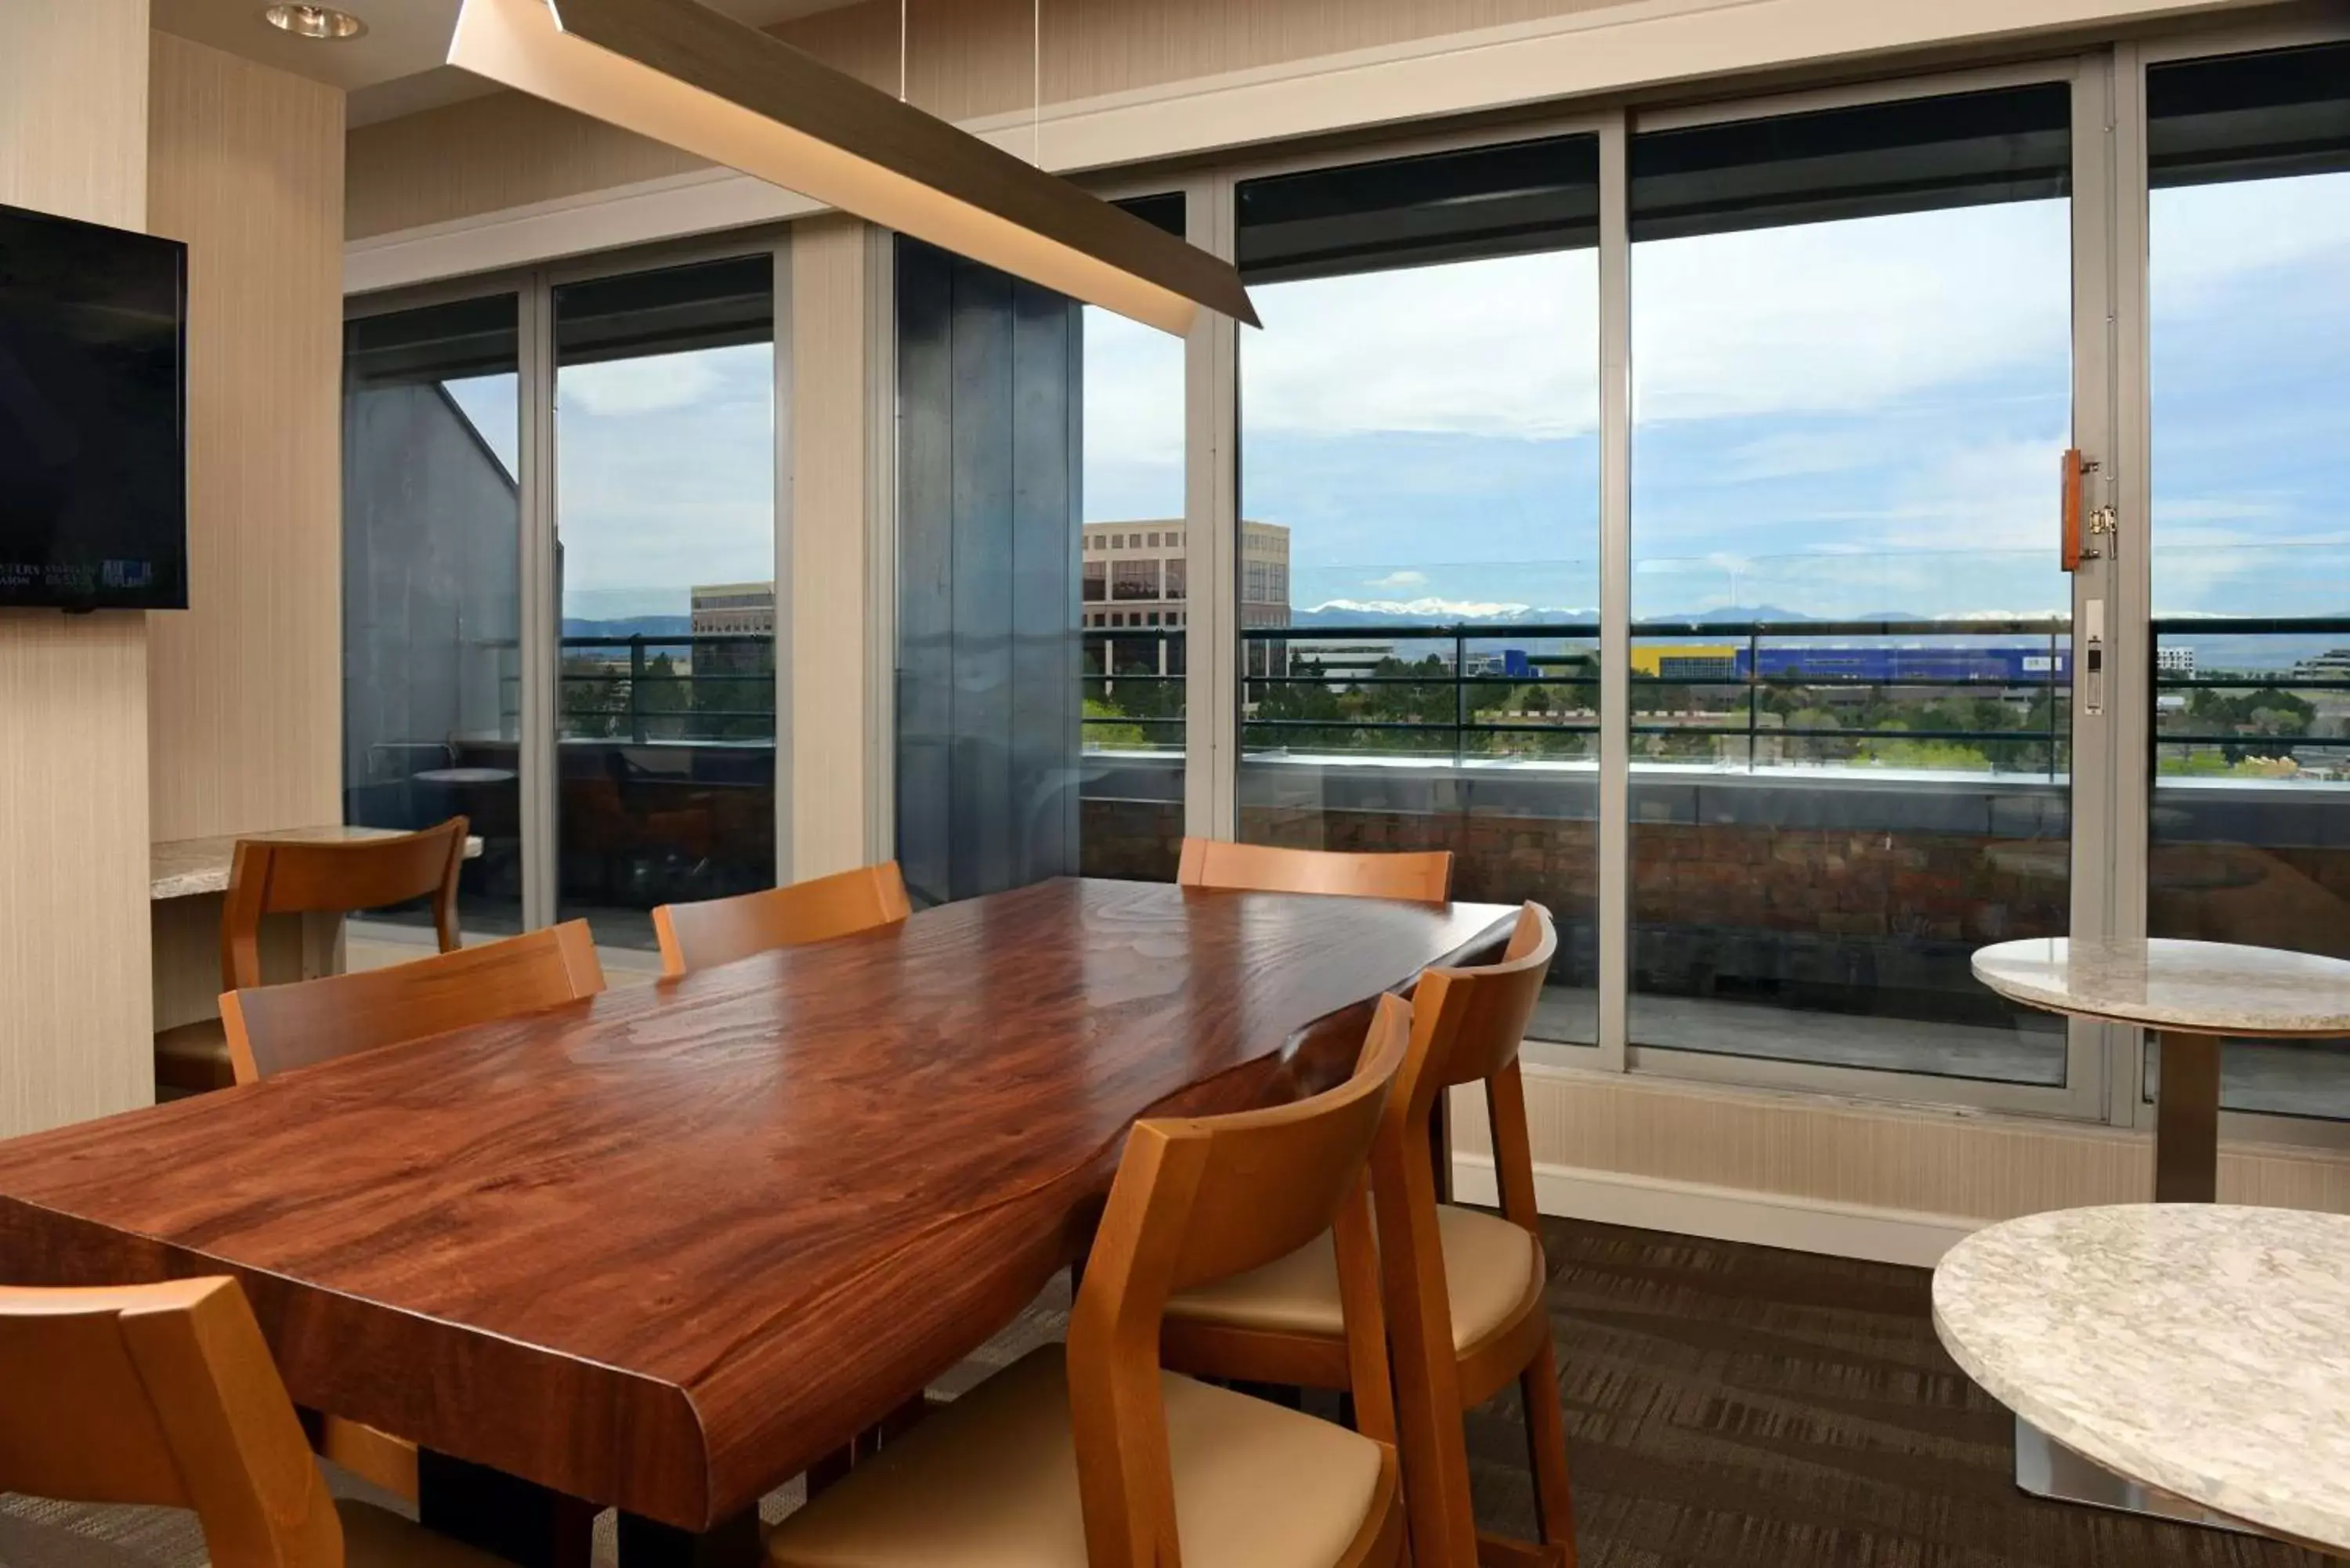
pixel 2198 1349
pixel 2192 994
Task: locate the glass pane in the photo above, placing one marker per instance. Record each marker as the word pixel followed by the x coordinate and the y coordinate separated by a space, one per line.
pixel 1851 336
pixel 1134 591
pixel 665 495
pixel 1421 524
pixel 2250 241
pixel 431 553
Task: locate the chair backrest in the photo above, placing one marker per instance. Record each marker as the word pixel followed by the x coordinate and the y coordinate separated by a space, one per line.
pixel 163 1395
pixel 1467 1026
pixel 1204 1199
pixel 1423 876
pixel 272 1028
pixel 720 931
pixel 282 877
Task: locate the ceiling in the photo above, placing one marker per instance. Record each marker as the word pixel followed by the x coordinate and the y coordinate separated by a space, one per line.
pixel 396 67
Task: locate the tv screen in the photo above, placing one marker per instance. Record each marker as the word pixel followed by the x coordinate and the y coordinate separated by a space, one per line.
pixel 93 448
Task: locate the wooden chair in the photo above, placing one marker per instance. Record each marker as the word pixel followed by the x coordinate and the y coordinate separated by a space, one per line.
pixel 166 1394
pixel 720 931
pixel 1463 1288
pixel 1423 876
pixel 275 1028
pixel 1093 1457
pixel 274 876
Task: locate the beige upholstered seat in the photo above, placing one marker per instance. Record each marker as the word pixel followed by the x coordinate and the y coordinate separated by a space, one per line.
pixel 1490 1265
pixel 991 1481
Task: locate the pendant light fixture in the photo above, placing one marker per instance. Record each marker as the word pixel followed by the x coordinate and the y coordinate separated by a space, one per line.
pixel 680 73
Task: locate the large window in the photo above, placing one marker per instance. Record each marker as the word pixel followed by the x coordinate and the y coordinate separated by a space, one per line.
pixel 1133 565
pixel 432 596
pixel 2250 296
pixel 1419 536
pixel 1850 674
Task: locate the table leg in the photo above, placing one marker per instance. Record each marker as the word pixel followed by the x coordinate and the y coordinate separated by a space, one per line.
pixel 2187 1119
pixel 736 1542
pixel 527 1524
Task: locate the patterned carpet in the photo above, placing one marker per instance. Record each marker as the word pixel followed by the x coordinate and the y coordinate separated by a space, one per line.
pixel 1728 1407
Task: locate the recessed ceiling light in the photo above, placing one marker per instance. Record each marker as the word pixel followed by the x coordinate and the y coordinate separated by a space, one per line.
pixel 313 22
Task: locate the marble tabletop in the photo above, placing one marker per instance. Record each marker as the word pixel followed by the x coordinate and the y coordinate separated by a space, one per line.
pixel 183 868
pixel 2205 988
pixel 2199 1348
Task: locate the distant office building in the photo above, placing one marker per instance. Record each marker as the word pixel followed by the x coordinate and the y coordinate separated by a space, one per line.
pixel 2175 661
pixel 1137 576
pixel 2330 666
pixel 746 610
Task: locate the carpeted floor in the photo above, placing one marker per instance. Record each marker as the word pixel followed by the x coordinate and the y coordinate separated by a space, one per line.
pixel 1728 1407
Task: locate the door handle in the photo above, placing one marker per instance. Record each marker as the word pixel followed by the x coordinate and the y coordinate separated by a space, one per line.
pixel 2079 517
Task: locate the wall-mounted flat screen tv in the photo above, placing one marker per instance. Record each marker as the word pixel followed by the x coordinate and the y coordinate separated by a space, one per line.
pixel 93 416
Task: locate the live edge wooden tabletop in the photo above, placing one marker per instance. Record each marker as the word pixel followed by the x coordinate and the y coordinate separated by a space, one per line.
pixel 661 1248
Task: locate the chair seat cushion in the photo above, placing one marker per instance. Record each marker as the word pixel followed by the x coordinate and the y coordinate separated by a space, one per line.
pixel 1490 1266
pixel 194 1056
pixel 991 1481
pixel 377 1538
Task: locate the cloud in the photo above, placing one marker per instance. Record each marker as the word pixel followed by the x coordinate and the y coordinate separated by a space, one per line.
pixel 1400 580
pixel 658 384
pixel 657 492
pixel 1846 316
pixel 1504 346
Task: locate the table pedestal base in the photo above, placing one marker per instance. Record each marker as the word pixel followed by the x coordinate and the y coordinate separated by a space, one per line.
pixel 2046 1468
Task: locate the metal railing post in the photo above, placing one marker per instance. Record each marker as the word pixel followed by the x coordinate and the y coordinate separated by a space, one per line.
pixel 1753 694
pixel 636 688
pixel 1460 692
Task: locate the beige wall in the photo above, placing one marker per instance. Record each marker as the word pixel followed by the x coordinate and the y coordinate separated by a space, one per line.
pixel 835 518
pixel 73 690
pixel 245 689
pixel 230 709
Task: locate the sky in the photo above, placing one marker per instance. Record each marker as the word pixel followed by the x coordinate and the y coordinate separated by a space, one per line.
pixel 1836 419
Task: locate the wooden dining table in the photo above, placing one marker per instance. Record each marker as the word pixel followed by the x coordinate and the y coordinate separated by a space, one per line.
pixel 661 1249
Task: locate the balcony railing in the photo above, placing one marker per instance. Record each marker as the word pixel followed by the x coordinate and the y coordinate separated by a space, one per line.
pixel 682 687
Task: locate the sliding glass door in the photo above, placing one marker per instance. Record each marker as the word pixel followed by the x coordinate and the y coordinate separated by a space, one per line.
pixel 560 567
pixel 2247 161
pixel 1851 670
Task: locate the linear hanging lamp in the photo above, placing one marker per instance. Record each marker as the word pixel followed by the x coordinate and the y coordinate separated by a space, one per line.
pixel 680 73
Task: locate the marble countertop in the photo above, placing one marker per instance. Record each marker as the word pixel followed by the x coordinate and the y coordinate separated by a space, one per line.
pixel 182 868
pixel 2209 988
pixel 2201 1348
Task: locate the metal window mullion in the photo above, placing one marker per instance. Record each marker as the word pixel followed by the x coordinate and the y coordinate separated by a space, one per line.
pixel 2093 1050
pixel 881 544
pixel 1211 514
pixel 540 618
pixel 780 660
pixel 1613 836
pixel 2131 573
